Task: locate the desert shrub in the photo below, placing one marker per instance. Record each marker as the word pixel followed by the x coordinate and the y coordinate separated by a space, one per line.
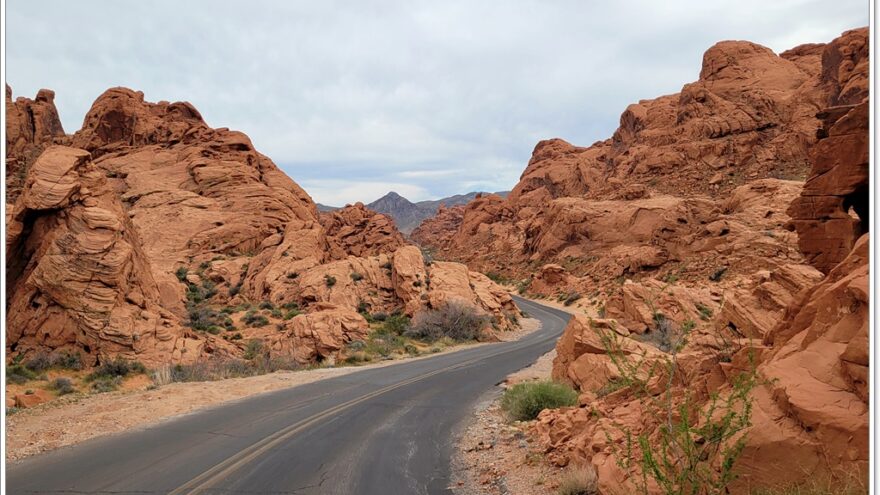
pixel 524 401
pixel 417 283
pixel 290 305
pixel 571 298
pixel 329 280
pixel 292 275
pixel 379 316
pixel 579 480
pixel 253 349
pixel 457 321
pixel 293 313
pixel 705 312
pixel 235 289
pixel 276 313
pixel 18 374
pixel 39 362
pixel 497 277
pixel 694 448
pixel 68 360
pixel 204 318
pixel 106 384
pixel 357 277
pixel 266 305
pixel 116 368
pixel 358 357
pixel 252 319
pixel 62 385
pixel 523 286
pixel 181 273
pixel 396 324
pixel 386 265
pixel 363 308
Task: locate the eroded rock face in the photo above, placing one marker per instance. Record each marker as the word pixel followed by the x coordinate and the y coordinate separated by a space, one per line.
pixel 155 222
pixel 358 231
pixel 31 126
pixel 76 274
pixel 750 116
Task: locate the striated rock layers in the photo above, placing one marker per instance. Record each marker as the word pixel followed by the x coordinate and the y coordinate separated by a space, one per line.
pixel 152 232
pixel 31 126
pixel 786 295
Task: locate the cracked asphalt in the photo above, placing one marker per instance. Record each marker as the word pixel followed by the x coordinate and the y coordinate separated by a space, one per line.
pixel 380 431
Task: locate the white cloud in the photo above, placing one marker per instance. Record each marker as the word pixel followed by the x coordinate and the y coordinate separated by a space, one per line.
pixel 436 96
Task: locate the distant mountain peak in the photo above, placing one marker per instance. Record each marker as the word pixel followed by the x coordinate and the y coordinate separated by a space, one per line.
pixel 408 215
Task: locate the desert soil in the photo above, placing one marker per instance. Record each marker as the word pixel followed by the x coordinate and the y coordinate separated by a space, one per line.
pixel 495 456
pixel 73 419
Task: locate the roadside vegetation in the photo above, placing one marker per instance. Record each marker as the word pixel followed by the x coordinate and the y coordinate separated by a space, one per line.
pixel 524 401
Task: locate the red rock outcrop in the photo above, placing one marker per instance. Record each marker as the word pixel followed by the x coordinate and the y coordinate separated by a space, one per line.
pixel 154 222
pixel 76 274
pixel 357 231
pixel 31 126
pixel 435 231
pixel 762 305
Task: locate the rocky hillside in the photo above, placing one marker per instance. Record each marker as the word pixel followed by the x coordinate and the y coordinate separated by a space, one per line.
pixel 148 234
pixel 723 228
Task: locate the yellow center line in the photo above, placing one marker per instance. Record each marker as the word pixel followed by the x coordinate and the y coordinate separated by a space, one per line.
pixel 222 470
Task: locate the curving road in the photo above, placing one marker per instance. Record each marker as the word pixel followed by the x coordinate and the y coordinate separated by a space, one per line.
pixel 379 431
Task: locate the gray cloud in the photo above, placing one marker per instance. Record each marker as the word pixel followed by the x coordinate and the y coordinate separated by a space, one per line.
pixel 429 98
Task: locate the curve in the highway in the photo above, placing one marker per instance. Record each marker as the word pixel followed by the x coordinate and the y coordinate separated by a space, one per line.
pixel 379 431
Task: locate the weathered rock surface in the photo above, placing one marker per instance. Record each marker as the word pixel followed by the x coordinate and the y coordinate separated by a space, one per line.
pixel 358 231
pixel 154 222
pixel 31 126
pixel 76 274
pixel 753 293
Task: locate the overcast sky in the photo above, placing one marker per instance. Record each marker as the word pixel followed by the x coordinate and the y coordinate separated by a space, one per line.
pixel 427 98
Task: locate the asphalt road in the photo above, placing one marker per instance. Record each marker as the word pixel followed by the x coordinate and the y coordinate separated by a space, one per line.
pixel 381 431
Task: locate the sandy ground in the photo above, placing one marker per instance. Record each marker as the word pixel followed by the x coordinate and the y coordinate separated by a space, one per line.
pixel 73 419
pixel 497 457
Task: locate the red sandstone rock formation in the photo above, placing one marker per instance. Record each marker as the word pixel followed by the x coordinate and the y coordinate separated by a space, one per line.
pixel 357 231
pixel 805 332
pixel 162 221
pixel 31 126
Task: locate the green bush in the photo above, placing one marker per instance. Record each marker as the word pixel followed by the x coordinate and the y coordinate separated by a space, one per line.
pixel 396 324
pixel 329 280
pixel 18 374
pixel 181 273
pixel 357 277
pixel 457 321
pixel 524 401
pixel 252 319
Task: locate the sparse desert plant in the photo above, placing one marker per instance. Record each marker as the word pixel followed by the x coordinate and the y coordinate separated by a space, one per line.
pixel 116 368
pixel 266 305
pixel 181 273
pixel 18 374
pixel 329 280
pixel 694 448
pixel 579 480
pixel 253 348
pixel 252 319
pixel 524 401
pixel 396 324
pixel 705 312
pixel 62 386
pixel 67 360
pixel 357 277
pixel 571 298
pixel 106 384
pixel 379 316
pixel 455 320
